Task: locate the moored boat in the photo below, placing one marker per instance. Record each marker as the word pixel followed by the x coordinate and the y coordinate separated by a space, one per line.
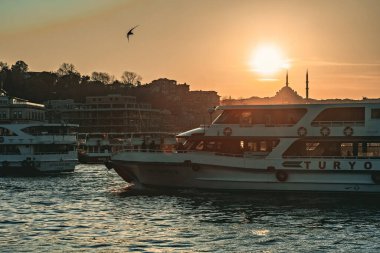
pixel 98 147
pixel 292 147
pixel 29 145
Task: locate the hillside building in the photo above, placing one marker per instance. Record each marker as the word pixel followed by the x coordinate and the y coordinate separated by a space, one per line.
pixel 111 113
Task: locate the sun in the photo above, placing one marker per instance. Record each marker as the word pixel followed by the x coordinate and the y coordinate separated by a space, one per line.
pixel 268 60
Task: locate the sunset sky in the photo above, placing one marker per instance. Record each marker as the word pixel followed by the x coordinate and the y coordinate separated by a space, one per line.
pixel 208 44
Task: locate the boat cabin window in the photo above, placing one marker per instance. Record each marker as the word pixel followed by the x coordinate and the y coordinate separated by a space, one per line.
pixel 259 145
pixel 6 132
pixel 340 116
pixel 3 115
pixel 332 148
pixel 53 149
pixel 375 113
pixel 232 146
pixel 373 149
pixel 49 130
pixel 267 117
pixel 9 150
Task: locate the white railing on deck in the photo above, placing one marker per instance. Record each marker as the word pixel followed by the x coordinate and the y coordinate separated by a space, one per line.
pixel 331 157
pixel 177 152
pixel 337 123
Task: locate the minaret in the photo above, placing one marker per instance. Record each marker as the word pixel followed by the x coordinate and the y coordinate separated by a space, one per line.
pixel 307 84
pixel 287 81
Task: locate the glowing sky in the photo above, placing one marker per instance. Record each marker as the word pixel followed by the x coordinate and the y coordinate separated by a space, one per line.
pixel 205 43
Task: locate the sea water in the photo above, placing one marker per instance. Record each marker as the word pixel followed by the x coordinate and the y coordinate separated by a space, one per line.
pixel 92 210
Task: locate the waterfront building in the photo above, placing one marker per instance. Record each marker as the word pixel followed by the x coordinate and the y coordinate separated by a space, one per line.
pixel 169 88
pixel 187 109
pixel 110 113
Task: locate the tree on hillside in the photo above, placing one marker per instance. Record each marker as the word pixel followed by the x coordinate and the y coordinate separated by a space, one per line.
pixel 131 78
pixel 3 66
pixel 103 77
pixel 68 81
pixel 84 80
pixel 3 73
pixel 67 69
pixel 20 66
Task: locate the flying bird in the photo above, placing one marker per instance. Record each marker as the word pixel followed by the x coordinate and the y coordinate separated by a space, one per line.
pixel 130 32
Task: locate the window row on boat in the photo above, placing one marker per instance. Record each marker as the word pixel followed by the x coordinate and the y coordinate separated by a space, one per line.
pixel 8 149
pixel 49 130
pixel 340 116
pixel 289 116
pixel 232 146
pixel 327 147
pixel 334 148
pixel 261 116
pixel 53 148
pixel 6 132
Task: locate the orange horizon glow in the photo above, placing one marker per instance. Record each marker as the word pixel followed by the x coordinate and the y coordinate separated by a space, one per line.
pixel 210 44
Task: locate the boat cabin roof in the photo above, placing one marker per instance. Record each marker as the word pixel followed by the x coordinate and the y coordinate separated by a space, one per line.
pixel 284 106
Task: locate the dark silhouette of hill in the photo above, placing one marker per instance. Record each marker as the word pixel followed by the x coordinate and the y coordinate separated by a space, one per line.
pixel 42 86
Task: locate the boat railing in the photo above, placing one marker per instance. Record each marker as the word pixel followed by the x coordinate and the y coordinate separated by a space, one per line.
pixel 97 152
pixel 141 150
pixel 331 157
pixel 51 153
pixel 337 123
pixel 265 125
pixel 177 152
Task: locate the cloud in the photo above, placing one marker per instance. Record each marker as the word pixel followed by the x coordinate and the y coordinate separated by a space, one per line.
pixel 340 64
pixel 268 79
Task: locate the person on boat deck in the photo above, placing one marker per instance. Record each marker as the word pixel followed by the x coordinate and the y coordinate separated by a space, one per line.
pixel 143 146
pixel 180 146
pixel 152 145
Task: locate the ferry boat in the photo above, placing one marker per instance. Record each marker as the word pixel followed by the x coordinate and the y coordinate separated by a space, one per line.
pixel 97 148
pixel 288 147
pixel 29 145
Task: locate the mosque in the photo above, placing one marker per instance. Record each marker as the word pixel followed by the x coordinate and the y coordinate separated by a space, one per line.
pixel 286 95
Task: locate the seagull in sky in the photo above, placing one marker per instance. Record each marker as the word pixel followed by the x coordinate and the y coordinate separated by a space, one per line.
pixel 130 32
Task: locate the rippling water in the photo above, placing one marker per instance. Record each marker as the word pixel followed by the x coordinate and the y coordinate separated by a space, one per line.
pixel 92 210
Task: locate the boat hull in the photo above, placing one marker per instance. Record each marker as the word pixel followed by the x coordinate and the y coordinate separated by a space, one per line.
pixel 201 176
pixel 37 168
pixel 93 159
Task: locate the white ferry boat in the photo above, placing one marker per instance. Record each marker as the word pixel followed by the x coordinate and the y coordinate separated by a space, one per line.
pixel 303 147
pixel 98 147
pixel 29 145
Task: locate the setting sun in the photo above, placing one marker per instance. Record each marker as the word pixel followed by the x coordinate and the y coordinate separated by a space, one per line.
pixel 267 60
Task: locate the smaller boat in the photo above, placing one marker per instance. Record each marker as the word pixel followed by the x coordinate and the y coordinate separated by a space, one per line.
pixel 97 148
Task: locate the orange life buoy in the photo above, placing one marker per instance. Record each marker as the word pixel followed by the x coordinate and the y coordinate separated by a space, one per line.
pixel 302 131
pixel 227 131
pixel 281 175
pixel 325 131
pixel 348 131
